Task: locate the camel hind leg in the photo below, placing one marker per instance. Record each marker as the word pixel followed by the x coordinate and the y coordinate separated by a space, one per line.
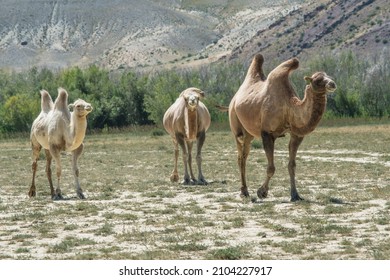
pixel 48 171
pixel 56 154
pixel 36 148
pixel 295 141
pixel 75 155
pixel 175 175
pixel 269 146
pixel 180 140
pixel 189 150
pixel 243 141
pixel 199 143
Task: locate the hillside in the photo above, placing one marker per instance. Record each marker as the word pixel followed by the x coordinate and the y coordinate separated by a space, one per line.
pixel 167 33
pixel 324 27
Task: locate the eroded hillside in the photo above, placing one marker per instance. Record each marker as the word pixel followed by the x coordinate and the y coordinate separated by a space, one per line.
pixel 120 33
pixel 169 33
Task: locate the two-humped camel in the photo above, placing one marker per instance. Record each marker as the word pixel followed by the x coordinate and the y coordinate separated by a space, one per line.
pixel 268 107
pixel 187 120
pixel 57 129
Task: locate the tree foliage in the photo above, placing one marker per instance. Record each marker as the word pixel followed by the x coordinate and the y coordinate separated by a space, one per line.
pixel 129 98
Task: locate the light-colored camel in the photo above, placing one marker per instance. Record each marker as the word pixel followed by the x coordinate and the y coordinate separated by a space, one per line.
pixel 57 129
pixel 187 120
pixel 268 107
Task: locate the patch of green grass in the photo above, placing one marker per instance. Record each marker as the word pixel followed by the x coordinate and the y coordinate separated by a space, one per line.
pixel 70 227
pixel 69 243
pixel 22 250
pixel 292 247
pixel 22 237
pixel 188 247
pixel 105 229
pixel 229 253
pixel 236 222
pixel 381 251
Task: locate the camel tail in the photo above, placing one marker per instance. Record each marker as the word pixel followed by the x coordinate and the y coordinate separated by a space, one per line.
pixel 46 101
pixel 255 70
pixel 61 102
pixel 222 108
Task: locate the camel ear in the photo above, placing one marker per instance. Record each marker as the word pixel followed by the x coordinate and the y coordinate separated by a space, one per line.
pixel 70 107
pixel 200 93
pixel 308 79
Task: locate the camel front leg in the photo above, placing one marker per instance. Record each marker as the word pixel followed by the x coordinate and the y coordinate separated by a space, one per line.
pixel 181 142
pixel 269 146
pixel 48 171
pixel 189 150
pixel 35 156
pixel 175 175
pixel 243 142
pixel 56 154
pixel 75 156
pixel 293 146
pixel 199 144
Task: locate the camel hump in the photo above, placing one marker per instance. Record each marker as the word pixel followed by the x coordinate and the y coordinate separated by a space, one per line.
pixel 285 68
pixel 255 70
pixel 46 101
pixel 61 102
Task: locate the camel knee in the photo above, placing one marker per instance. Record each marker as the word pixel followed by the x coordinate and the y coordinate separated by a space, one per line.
pixel 292 165
pixel 34 166
pixel 271 171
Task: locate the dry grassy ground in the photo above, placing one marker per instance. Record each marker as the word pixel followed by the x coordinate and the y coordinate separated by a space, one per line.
pixel 133 211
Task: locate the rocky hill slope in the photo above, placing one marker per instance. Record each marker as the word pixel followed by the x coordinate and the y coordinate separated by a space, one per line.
pixel 169 33
pixel 324 27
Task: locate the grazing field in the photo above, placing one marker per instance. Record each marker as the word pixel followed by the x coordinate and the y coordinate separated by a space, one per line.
pixel 133 211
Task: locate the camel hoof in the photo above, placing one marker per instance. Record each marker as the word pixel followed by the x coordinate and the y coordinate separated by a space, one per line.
pixel 244 194
pixel 188 182
pixel 174 178
pixel 81 195
pixel 262 193
pixel 296 198
pixel 202 182
pixel 31 193
pixel 57 197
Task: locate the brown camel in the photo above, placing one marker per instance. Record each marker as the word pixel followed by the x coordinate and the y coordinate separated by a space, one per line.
pixel 187 120
pixel 268 107
pixel 57 129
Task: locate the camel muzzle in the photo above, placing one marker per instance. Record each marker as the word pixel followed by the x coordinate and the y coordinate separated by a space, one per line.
pixel 331 86
pixel 88 108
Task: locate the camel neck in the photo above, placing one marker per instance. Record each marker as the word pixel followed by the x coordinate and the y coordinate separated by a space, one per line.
pixel 78 126
pixel 191 124
pixel 308 112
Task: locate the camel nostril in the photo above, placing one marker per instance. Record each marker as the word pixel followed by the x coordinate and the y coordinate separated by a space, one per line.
pixel 331 86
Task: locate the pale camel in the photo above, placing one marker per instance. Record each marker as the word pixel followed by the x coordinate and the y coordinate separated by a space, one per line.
pixel 187 120
pixel 268 107
pixel 57 129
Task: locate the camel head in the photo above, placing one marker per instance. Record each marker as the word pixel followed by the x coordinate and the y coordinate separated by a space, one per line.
pixel 192 97
pixel 320 82
pixel 80 108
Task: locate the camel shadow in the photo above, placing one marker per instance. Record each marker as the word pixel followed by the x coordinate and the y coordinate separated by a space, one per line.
pixel 330 200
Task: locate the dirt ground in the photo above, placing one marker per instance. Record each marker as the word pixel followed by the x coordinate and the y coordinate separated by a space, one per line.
pixel 133 211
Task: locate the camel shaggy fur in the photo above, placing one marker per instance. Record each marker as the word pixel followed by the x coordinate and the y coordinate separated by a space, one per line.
pixel 268 107
pixel 57 129
pixel 187 120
